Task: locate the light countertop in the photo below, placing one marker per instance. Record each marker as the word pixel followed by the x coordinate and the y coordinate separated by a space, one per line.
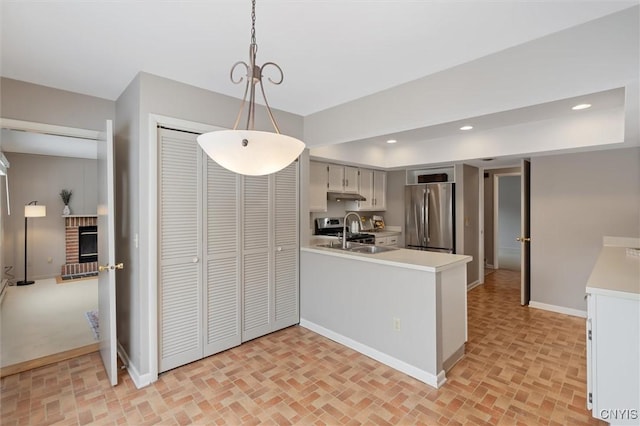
pixel 615 271
pixel 412 259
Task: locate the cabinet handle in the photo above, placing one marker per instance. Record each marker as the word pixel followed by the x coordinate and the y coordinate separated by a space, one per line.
pixel 279 249
pixel 195 260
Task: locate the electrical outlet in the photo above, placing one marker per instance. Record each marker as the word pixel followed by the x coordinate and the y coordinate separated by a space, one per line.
pixel 49 259
pixel 396 324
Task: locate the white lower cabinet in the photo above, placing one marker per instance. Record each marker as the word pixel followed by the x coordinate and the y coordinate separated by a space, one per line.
pixel 613 334
pixel 613 358
pixel 227 250
pixel 391 241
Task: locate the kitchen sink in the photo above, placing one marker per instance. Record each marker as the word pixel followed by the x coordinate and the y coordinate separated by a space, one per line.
pixel 357 247
pixel 372 249
pixel 338 245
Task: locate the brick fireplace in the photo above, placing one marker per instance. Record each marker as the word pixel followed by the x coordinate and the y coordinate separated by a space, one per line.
pixel 76 266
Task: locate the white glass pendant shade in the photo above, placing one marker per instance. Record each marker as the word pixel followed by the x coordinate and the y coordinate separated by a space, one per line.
pixel 263 154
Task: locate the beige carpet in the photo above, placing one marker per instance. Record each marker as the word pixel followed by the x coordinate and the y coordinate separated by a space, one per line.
pixel 45 318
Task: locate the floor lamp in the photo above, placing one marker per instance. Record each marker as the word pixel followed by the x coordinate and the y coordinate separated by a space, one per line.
pixel 30 210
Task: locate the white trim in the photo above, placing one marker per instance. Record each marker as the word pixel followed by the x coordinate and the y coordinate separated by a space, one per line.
pixel 50 129
pixel 490 266
pixel 481 236
pixel 140 380
pixel 432 380
pixel 156 120
pixel 474 284
pixel 558 309
pixel 620 242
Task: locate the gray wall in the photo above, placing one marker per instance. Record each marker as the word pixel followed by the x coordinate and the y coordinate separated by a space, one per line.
pixel 40 177
pixel 471 218
pixel 488 210
pixel 149 94
pixel 576 199
pixel 24 101
pixel 394 216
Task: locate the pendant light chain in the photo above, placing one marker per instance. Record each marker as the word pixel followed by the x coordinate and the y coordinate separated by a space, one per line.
pixel 252 152
pixel 253 22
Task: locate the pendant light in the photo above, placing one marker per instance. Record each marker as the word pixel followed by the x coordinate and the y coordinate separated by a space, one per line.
pixel 249 151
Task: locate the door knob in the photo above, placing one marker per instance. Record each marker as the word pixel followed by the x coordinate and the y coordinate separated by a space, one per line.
pixel 102 268
pixel 523 239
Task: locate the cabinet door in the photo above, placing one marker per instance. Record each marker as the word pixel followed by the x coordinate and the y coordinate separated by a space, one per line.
pixel 615 331
pixel 318 178
pixel 379 190
pixel 366 189
pixel 382 241
pixel 286 307
pixel 336 178
pixel 351 180
pixel 180 245
pixel 255 258
pixel 222 322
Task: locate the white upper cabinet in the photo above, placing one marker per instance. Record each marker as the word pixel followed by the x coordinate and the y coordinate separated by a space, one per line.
pixel 318 178
pixel 366 189
pixel 343 179
pixel 379 190
pixel 373 186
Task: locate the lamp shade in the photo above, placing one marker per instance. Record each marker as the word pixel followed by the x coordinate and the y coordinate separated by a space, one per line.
pixel 35 211
pixel 263 154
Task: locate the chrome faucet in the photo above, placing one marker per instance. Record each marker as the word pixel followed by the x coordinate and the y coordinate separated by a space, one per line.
pixel 344 227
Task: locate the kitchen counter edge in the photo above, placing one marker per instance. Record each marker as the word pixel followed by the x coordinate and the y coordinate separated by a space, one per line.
pixel 403 258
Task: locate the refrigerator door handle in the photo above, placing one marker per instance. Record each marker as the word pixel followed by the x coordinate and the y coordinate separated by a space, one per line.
pixel 426 216
pixel 416 214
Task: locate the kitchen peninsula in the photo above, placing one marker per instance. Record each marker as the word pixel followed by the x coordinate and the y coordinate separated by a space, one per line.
pixel 404 308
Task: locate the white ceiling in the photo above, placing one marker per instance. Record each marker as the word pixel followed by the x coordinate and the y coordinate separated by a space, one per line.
pixel 332 51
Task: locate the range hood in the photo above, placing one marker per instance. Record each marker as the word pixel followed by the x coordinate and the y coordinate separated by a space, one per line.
pixel 344 196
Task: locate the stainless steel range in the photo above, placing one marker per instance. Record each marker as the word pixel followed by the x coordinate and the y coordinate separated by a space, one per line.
pixel 332 226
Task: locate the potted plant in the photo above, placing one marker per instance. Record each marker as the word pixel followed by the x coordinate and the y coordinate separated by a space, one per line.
pixel 65 194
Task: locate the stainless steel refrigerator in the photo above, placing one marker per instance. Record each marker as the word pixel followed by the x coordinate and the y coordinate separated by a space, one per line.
pixel 429 217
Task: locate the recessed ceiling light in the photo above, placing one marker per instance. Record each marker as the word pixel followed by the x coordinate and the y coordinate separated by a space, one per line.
pixel 466 127
pixel 581 106
pixel 392 141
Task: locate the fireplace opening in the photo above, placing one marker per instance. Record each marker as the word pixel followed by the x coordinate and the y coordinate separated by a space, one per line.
pixel 88 243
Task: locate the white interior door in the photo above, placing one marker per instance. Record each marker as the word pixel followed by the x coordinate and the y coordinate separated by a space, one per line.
pixel 525 234
pixel 106 254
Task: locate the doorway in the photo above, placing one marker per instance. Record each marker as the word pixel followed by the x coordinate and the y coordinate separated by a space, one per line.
pixel 507 223
pixel 507 219
pixel 41 165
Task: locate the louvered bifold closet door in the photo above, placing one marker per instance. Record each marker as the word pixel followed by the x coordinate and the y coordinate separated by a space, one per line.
pixel 286 300
pixel 180 335
pixel 222 284
pixel 256 299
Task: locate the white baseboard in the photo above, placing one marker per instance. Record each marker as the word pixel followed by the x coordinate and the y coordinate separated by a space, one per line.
pixel 474 284
pixel 140 380
pixel 488 266
pixel 388 360
pixel 558 309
